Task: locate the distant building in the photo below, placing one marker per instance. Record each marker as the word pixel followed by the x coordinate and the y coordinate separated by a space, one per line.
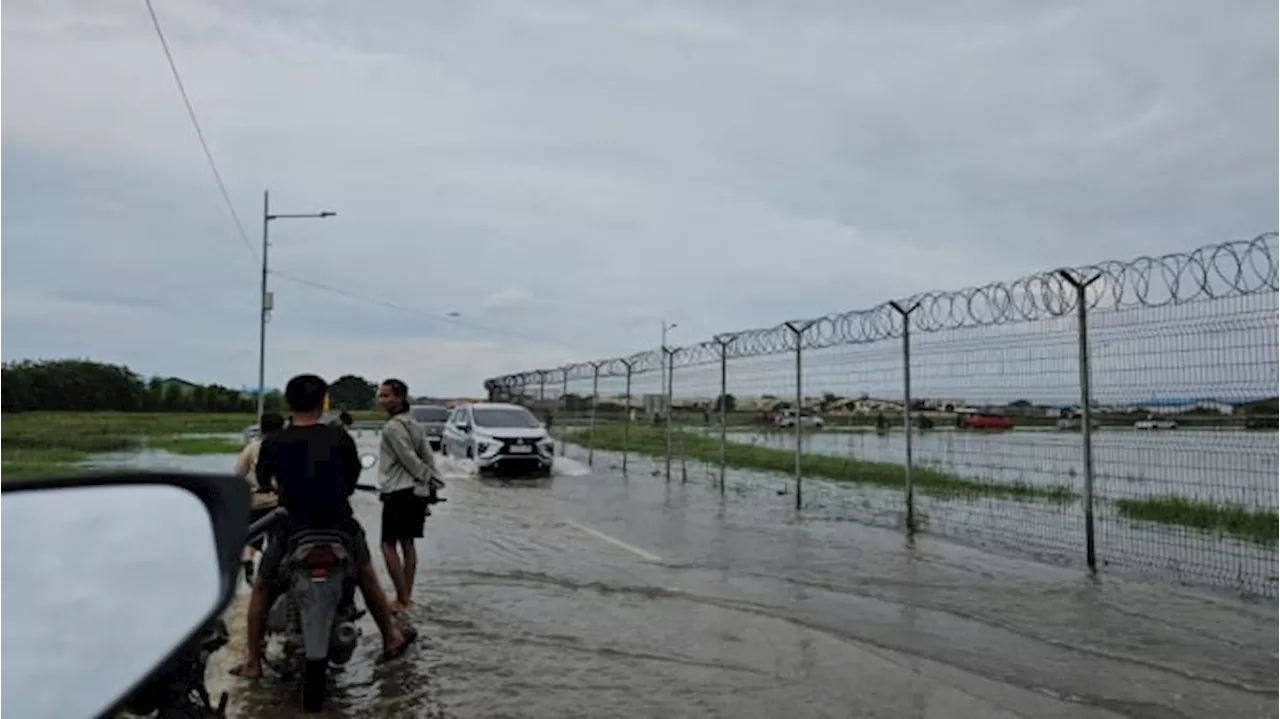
pixel 1184 405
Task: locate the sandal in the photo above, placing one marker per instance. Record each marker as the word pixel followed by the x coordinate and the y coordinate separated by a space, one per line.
pixel 390 655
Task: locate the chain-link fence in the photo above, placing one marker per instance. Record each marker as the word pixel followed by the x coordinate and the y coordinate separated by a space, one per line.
pixel 1121 414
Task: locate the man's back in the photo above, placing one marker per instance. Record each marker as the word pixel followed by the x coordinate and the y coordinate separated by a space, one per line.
pixel 315 468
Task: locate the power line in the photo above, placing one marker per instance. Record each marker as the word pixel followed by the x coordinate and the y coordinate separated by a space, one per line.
pixel 244 236
pixel 195 123
pixel 414 311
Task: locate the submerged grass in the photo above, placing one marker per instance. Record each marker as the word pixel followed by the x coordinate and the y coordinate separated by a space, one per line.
pixel 60 426
pixel 691 445
pixel 1255 525
pixel 195 445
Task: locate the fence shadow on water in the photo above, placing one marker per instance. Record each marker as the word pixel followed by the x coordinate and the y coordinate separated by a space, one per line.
pixel 1142 396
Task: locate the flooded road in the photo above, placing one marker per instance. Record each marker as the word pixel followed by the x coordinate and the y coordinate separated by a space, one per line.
pixel 594 595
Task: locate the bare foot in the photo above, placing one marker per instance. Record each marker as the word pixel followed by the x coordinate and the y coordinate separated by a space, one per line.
pixel 400 607
pixel 396 645
pixel 247 671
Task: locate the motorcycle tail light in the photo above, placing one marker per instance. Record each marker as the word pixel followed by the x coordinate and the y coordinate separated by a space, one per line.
pixel 320 557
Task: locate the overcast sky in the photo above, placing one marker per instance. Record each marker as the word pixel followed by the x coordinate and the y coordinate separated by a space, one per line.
pixel 572 173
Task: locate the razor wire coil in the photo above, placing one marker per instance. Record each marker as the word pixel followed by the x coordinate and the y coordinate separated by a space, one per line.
pixel 1211 272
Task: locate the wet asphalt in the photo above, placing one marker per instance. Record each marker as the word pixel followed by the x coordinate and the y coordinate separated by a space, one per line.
pixel 594 594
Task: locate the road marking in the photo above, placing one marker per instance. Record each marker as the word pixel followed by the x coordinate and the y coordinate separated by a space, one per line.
pixel 648 556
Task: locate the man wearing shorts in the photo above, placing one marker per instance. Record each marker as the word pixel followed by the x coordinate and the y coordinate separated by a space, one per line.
pixel 407 480
pixel 315 467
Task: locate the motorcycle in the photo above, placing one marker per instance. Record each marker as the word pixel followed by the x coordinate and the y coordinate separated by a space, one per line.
pixel 314 620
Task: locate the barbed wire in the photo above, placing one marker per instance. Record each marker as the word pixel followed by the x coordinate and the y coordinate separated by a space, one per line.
pixel 1211 272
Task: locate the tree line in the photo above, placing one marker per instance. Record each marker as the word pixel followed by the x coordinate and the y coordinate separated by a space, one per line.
pixel 77 385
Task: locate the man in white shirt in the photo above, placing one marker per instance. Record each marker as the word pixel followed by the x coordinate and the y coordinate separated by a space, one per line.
pixel 407 481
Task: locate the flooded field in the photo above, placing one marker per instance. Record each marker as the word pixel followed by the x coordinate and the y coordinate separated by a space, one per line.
pixel 1235 467
pixel 1231 468
pixel 593 594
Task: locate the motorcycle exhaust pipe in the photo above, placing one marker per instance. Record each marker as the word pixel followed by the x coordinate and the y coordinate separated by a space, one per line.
pixel 342 643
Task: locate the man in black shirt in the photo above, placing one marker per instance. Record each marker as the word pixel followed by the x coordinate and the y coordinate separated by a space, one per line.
pixel 315 467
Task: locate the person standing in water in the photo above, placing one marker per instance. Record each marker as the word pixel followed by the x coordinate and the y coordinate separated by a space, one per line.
pixel 407 482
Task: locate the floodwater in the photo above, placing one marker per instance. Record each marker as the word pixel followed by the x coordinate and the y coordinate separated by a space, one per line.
pixel 1229 467
pixel 1236 467
pixel 593 594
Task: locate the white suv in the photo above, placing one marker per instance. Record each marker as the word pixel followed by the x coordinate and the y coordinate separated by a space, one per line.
pixel 808 420
pixel 499 437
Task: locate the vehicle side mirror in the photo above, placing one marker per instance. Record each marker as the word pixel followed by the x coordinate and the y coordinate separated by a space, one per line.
pixel 109 577
pixel 466 428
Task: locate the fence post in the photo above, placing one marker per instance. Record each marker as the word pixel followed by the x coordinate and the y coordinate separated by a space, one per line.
pixel 542 386
pixel 724 341
pixel 564 404
pixel 626 425
pixel 595 399
pixel 909 487
pixel 1086 411
pixel 669 357
pixel 797 330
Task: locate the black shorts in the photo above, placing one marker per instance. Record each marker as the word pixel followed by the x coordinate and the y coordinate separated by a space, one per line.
pixel 404 515
pixel 255 515
pixel 278 544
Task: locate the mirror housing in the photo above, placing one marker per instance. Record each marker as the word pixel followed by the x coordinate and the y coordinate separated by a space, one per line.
pixel 181 534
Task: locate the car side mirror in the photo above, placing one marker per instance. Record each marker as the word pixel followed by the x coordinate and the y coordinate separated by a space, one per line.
pixel 109 577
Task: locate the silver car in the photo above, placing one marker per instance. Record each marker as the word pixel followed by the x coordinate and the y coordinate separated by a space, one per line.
pixel 433 418
pixel 499 437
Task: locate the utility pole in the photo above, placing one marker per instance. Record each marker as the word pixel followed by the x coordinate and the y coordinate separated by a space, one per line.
pixel 266 300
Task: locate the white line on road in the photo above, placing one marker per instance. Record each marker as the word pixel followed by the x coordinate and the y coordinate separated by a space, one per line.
pixel 648 556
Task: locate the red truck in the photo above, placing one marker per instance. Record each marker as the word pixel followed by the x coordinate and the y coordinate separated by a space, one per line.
pixel 984 420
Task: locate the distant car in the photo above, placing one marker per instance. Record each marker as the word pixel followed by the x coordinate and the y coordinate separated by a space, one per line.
pixel 1070 420
pixel 1155 423
pixel 984 420
pixel 787 418
pixel 433 418
pixel 499 437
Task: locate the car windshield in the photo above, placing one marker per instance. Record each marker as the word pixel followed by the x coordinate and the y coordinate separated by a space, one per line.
pixel 503 417
pixel 429 414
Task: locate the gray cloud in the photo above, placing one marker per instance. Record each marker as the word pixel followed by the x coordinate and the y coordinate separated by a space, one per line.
pixel 720 165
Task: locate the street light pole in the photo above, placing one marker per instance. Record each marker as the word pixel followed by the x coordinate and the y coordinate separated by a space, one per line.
pixel 266 302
